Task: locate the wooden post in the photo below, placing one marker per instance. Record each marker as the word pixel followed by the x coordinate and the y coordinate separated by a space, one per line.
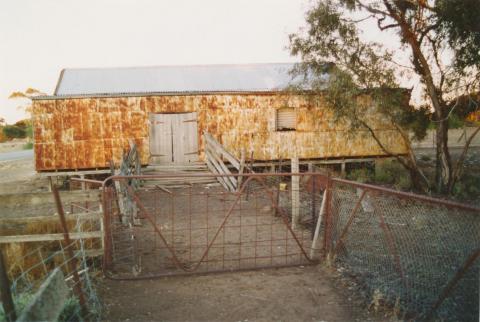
pixel 242 168
pixel 277 197
pixel 295 193
pixel 82 176
pixel 310 167
pixel 317 228
pixel 343 170
pixel 6 295
pixel 327 246
pixel 313 196
pixel 247 190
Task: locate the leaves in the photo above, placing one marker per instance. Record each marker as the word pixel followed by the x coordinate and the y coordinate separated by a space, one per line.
pixel 29 93
pixel 459 20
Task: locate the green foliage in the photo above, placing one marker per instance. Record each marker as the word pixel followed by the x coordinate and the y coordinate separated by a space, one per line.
pixel 416 120
pixel 360 70
pixel 467 187
pixel 458 21
pixel 403 182
pixel 364 76
pixel 425 158
pixel 71 310
pixel 20 303
pixel 455 122
pixel 13 131
pixel 363 175
pixel 29 130
pixel 393 173
pixel 28 146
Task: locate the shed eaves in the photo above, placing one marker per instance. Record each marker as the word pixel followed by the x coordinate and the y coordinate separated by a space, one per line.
pixel 175 79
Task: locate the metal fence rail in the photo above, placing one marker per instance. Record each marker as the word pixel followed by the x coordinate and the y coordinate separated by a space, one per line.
pixel 415 254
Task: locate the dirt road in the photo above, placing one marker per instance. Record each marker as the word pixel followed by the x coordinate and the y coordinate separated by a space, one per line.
pixel 311 293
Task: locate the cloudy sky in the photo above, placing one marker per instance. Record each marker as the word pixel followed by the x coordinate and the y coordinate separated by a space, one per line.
pixel 39 38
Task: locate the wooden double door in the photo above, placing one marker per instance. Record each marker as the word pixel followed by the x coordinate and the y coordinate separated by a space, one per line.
pixel 173 138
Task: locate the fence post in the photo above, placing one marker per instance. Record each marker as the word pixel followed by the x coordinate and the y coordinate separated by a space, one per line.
pixel 317 227
pixel 314 201
pixel 295 193
pixel 107 207
pixel 7 301
pixel 240 171
pixel 327 241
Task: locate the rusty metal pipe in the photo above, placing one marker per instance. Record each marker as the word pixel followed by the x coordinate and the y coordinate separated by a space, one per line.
pixel 400 194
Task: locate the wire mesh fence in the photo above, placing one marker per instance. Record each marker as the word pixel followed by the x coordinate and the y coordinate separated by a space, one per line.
pixel 30 267
pixel 416 255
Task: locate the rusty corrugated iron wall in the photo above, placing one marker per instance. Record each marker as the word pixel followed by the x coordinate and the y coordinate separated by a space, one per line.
pixel 81 133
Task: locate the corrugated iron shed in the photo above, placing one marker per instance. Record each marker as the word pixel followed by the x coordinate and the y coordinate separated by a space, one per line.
pixel 96 112
pixel 175 79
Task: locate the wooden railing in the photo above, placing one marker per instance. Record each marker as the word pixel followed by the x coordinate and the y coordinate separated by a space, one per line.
pixel 216 156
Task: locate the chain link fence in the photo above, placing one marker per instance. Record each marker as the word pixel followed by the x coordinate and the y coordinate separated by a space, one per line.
pixel 417 255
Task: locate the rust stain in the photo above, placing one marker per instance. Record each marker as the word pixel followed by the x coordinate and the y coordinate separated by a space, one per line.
pixel 86 133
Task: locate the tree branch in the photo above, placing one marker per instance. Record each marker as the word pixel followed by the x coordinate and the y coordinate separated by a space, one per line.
pixel 379 24
pixel 461 159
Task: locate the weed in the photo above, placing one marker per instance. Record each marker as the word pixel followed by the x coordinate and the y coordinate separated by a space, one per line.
pixel 392 172
pixel 28 146
pixel 467 187
pixel 362 175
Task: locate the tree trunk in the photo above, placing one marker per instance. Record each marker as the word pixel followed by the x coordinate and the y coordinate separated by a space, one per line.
pixel 418 182
pixel 443 169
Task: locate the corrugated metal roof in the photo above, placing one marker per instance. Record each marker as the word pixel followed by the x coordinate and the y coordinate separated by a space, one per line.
pixel 174 79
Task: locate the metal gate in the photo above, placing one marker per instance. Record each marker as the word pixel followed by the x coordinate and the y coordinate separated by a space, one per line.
pixel 418 254
pixel 195 228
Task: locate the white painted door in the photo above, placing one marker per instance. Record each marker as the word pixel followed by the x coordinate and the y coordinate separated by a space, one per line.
pixel 174 138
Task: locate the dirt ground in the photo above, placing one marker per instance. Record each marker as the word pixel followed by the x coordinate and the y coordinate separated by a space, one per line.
pixel 14 145
pixel 310 293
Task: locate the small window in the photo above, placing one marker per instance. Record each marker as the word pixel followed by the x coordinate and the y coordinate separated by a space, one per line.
pixel 286 119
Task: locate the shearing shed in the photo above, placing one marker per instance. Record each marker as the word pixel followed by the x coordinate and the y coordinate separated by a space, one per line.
pixel 94 113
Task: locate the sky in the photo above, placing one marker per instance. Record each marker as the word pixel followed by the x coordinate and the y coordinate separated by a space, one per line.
pixel 40 38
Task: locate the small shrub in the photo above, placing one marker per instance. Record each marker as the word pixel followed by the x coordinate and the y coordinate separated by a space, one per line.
pixel 467 187
pixel 13 131
pixel 28 146
pixel 362 175
pixel 20 303
pixel 71 310
pixel 403 182
pixel 29 130
pixel 383 174
pixel 392 172
pixel 425 158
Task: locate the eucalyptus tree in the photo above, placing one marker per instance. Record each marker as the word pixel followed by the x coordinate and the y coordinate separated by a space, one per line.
pixel 430 34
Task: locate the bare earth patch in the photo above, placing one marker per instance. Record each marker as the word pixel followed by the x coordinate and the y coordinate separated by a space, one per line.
pixel 311 293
